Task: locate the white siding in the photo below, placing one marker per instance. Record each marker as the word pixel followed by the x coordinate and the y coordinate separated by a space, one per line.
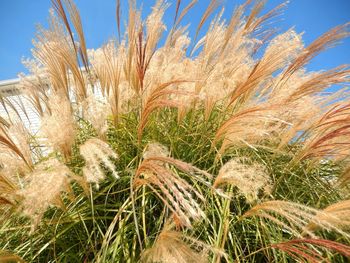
pixel 23 108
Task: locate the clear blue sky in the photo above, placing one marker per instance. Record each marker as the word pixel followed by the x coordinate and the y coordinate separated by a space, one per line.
pixel 18 19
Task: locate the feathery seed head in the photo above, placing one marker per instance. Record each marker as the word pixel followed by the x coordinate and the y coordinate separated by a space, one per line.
pixel 170 246
pixel 60 115
pixel 96 153
pixel 248 178
pixel 177 247
pixel 96 111
pixel 176 193
pixel 301 220
pixel 155 149
pixel 43 188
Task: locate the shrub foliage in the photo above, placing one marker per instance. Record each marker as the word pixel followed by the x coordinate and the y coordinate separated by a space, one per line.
pixel 159 148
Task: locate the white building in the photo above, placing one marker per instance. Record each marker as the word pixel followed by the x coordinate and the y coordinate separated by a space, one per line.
pixel 9 90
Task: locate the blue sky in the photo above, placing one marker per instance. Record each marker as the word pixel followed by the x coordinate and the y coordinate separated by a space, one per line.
pixel 18 20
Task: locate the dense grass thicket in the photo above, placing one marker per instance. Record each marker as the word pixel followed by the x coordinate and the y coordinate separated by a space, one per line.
pixel 223 148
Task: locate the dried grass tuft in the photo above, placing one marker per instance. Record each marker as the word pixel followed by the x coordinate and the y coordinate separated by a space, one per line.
pixel 329 135
pixel 309 249
pixel 60 115
pixel 176 193
pixel 174 246
pixel 43 188
pixel 301 220
pixel 248 177
pixel 96 153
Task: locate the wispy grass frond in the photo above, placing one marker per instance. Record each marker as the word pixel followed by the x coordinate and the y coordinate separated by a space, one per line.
pixel 327 40
pixel 143 59
pixel 321 81
pixel 96 153
pixel 179 196
pixel 184 12
pixel 7 190
pixel 158 98
pixel 248 177
pixel 14 145
pixel 281 50
pixel 176 193
pixel 43 188
pixel 178 3
pixel 155 26
pixel 254 23
pixel 97 111
pixel 35 87
pixel 210 9
pixel 73 15
pixel 248 127
pixel 173 246
pixel 117 15
pixel 75 18
pixel 339 212
pixel 301 220
pixel 329 134
pixel 106 64
pixel 309 249
pixel 155 149
pixel 57 53
pixel 60 115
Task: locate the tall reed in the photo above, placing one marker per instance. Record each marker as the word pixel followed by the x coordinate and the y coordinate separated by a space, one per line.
pixel 159 148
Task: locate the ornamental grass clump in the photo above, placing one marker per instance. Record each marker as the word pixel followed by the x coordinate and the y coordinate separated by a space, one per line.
pixel 161 147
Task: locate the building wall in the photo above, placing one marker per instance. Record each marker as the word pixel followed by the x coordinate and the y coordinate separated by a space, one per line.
pixel 21 107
